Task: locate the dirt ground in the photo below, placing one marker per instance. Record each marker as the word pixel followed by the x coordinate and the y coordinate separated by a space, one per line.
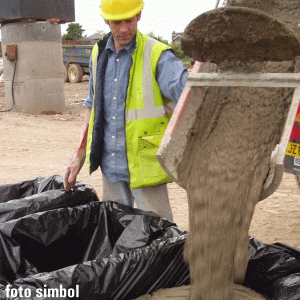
pixel 42 145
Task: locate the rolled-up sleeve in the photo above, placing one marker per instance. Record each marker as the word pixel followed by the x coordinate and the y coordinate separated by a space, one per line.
pixel 171 75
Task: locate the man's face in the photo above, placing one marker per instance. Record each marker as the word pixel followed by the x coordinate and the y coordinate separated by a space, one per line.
pixel 124 31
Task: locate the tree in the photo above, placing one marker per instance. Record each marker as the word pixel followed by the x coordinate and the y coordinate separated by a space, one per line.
pixel 158 38
pixel 74 32
pixel 176 47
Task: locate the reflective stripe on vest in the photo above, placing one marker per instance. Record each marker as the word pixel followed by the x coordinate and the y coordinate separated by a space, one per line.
pixel 94 66
pixel 149 110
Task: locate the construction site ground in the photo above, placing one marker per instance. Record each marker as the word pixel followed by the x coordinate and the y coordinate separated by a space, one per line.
pixel 41 145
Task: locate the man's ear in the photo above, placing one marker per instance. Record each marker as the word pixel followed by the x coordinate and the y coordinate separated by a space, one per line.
pixel 106 22
pixel 139 15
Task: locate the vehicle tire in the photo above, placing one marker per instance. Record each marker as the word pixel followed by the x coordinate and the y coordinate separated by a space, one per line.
pixel 66 76
pixel 75 73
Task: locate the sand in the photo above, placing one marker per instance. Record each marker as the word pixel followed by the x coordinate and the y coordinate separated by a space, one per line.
pixel 180 293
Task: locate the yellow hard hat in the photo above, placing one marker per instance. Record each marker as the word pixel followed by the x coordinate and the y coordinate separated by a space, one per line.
pixel 112 10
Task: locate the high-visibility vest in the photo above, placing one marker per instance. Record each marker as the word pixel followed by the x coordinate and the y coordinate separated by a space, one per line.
pixel 147 113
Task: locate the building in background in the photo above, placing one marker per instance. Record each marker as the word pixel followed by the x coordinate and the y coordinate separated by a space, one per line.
pixel 87 40
pixel 176 37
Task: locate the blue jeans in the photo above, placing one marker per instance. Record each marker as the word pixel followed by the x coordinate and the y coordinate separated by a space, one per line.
pixel 154 198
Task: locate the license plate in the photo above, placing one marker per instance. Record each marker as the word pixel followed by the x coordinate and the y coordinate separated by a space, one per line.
pixel 293 149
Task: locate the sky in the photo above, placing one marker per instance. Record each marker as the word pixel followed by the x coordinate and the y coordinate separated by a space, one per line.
pixel 161 17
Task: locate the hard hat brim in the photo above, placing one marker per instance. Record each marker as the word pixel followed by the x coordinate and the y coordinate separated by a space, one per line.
pixel 129 15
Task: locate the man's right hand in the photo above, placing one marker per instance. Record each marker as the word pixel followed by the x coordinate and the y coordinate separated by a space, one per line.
pixel 77 160
pixel 73 169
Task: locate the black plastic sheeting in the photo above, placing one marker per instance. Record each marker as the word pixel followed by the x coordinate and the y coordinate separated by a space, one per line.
pixel 58 245
pixel 40 194
pixel 273 270
pixel 103 249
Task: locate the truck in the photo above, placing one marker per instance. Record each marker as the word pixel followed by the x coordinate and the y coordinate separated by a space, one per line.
pixel 292 155
pixel 76 62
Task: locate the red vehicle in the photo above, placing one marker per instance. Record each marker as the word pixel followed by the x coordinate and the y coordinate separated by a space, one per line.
pixel 292 155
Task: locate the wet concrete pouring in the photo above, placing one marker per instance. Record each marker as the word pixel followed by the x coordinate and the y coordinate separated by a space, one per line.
pixel 227 157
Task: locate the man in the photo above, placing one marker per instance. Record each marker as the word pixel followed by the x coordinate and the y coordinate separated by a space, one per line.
pixel 135 82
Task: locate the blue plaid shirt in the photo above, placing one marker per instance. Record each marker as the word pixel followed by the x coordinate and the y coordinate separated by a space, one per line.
pixel 171 77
